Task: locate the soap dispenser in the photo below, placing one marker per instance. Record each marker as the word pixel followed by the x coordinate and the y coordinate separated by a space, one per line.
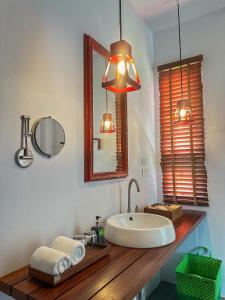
pixel 99 230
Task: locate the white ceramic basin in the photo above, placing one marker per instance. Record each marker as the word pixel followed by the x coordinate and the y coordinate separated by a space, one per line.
pixel 139 230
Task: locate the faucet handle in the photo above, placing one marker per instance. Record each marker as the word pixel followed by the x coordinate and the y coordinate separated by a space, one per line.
pixel 136 208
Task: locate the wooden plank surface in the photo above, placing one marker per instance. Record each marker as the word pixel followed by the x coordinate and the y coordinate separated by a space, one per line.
pixel 22 289
pixel 28 290
pixel 119 276
pixel 87 288
pixel 7 282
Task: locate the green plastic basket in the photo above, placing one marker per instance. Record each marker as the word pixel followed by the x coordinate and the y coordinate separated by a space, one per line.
pixel 183 297
pixel 199 277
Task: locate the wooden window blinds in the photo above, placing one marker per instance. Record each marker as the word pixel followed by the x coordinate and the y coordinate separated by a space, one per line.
pixel 184 177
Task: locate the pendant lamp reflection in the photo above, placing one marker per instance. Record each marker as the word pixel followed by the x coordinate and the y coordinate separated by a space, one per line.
pixel 183 113
pixel 121 75
pixel 107 125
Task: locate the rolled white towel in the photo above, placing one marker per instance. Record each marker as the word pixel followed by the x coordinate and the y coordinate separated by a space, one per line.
pixel 50 261
pixel 73 248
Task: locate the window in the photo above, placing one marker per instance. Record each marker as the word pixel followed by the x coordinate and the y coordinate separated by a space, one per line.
pixel 184 177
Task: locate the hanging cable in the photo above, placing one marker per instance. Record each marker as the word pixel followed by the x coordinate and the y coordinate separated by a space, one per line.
pixel 106 99
pixel 120 18
pixel 180 50
pixel 106 91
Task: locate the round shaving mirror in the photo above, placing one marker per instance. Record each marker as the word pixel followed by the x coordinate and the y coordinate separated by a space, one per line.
pixel 48 137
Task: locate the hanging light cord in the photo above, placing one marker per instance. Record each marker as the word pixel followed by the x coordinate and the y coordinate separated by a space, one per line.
pixel 120 18
pixel 106 100
pixel 181 72
pixel 106 92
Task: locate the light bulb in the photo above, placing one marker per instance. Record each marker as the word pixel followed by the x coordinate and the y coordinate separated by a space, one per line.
pixel 182 113
pixel 121 68
pixel 107 124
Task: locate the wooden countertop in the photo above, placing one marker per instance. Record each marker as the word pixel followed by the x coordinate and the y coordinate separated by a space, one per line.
pixel 118 276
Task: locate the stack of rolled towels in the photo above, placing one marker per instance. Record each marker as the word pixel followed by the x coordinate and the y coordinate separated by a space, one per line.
pixel 56 259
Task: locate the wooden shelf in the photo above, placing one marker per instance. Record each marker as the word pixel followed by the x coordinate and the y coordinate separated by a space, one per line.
pixel 120 275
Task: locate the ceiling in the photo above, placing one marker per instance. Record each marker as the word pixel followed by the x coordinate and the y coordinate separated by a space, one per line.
pixel 161 14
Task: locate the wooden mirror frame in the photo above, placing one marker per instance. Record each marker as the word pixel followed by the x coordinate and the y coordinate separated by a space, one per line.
pixel 91 45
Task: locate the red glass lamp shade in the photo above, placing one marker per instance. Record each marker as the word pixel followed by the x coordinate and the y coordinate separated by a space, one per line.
pixel 107 125
pixel 121 74
pixel 183 114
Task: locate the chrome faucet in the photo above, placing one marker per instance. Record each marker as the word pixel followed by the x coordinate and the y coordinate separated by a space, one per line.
pixel 129 189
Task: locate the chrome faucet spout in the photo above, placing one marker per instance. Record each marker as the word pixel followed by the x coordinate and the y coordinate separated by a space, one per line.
pixel 129 190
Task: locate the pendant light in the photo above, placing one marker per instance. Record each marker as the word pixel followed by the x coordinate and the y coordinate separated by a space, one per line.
pixel 121 75
pixel 183 113
pixel 107 125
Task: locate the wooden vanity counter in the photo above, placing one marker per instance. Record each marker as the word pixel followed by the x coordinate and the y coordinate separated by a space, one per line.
pixel 120 275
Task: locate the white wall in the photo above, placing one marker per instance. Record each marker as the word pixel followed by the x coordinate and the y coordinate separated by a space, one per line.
pixel 41 74
pixel 205 35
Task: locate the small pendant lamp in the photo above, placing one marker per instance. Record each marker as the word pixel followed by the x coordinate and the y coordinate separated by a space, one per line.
pixel 121 75
pixel 183 113
pixel 107 125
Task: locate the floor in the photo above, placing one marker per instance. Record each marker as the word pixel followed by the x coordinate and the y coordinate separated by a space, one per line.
pixel 165 291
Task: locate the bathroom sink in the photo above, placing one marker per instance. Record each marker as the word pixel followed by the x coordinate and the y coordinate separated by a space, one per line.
pixel 139 230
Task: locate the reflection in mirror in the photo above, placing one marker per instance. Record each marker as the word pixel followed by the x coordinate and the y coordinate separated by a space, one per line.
pixel 105 147
pixel 104 158
pixel 48 136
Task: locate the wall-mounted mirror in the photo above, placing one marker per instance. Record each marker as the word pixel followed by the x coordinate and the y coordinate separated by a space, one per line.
pixel 105 119
pixel 48 136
